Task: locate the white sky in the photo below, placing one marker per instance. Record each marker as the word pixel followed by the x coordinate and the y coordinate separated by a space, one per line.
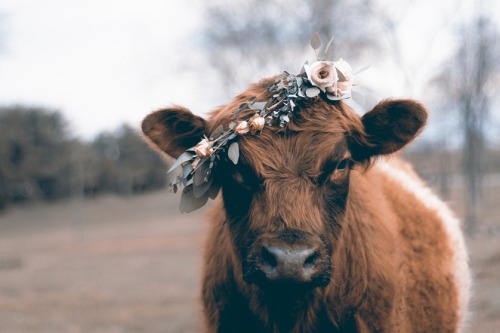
pixel 105 62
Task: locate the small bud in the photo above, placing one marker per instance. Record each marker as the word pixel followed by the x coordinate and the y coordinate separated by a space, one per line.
pixel 195 163
pixel 203 148
pixel 256 123
pixel 241 128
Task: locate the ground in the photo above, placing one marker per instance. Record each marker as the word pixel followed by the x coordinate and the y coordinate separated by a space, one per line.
pixel 133 265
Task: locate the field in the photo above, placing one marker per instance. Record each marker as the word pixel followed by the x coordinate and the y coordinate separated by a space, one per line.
pixel 133 265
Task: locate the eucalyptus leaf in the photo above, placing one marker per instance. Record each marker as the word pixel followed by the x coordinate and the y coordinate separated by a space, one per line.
pixel 299 81
pixel 201 173
pixel 214 189
pixel 186 170
pixel 312 92
pixel 189 202
pixel 200 190
pixel 185 157
pixel 234 152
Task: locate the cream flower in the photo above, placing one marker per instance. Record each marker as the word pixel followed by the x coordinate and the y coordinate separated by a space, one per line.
pixel 242 128
pixel 256 123
pixel 204 148
pixel 344 85
pixel 344 88
pixel 322 74
pixel 344 68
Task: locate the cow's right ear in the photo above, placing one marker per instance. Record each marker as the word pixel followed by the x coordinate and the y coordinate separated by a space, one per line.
pixel 387 128
pixel 173 130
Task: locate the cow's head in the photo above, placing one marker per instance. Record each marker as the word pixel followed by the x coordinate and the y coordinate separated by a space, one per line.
pixel 286 197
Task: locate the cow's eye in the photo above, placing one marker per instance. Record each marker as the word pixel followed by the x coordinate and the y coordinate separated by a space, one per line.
pixel 343 164
pixel 331 169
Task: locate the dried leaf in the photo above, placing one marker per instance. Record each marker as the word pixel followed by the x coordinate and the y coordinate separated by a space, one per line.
pixel 315 41
pixel 329 50
pixel 177 180
pixel 189 202
pixel 185 157
pixel 234 152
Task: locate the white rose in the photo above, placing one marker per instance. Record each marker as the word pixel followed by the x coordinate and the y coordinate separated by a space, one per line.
pixel 322 74
pixel 203 148
pixel 345 81
pixel 344 68
pixel 344 88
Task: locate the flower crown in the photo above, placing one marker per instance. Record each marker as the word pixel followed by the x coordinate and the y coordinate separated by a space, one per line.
pixel 331 79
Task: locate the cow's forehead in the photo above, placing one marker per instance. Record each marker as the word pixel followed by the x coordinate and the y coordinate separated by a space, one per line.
pixel 300 153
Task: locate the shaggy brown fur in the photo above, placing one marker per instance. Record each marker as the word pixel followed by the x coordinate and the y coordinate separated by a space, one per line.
pixel 386 254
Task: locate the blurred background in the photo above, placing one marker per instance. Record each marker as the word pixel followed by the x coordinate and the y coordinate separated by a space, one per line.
pixel 90 238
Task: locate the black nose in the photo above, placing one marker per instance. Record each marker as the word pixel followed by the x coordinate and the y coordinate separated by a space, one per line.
pixel 298 265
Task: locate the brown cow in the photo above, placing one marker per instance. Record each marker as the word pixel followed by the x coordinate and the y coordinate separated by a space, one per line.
pixel 316 231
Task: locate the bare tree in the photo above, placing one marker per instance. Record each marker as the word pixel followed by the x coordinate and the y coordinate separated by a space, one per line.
pixel 468 82
pixel 255 38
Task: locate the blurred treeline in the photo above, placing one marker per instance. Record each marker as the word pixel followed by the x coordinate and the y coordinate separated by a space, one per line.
pixel 41 160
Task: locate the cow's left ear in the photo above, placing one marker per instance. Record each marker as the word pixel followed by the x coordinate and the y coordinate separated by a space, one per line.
pixel 173 130
pixel 388 127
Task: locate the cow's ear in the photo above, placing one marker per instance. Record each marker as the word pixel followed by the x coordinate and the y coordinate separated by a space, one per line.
pixel 388 127
pixel 173 130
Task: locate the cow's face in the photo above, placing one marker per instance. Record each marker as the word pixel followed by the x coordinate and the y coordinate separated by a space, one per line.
pixel 285 200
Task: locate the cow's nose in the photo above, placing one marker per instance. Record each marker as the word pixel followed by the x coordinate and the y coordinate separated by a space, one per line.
pixel 288 264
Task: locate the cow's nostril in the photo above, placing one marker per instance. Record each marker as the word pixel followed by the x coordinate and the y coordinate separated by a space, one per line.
pixel 311 260
pixel 268 258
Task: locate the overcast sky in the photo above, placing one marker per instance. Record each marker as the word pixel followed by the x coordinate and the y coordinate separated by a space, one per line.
pixel 105 62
